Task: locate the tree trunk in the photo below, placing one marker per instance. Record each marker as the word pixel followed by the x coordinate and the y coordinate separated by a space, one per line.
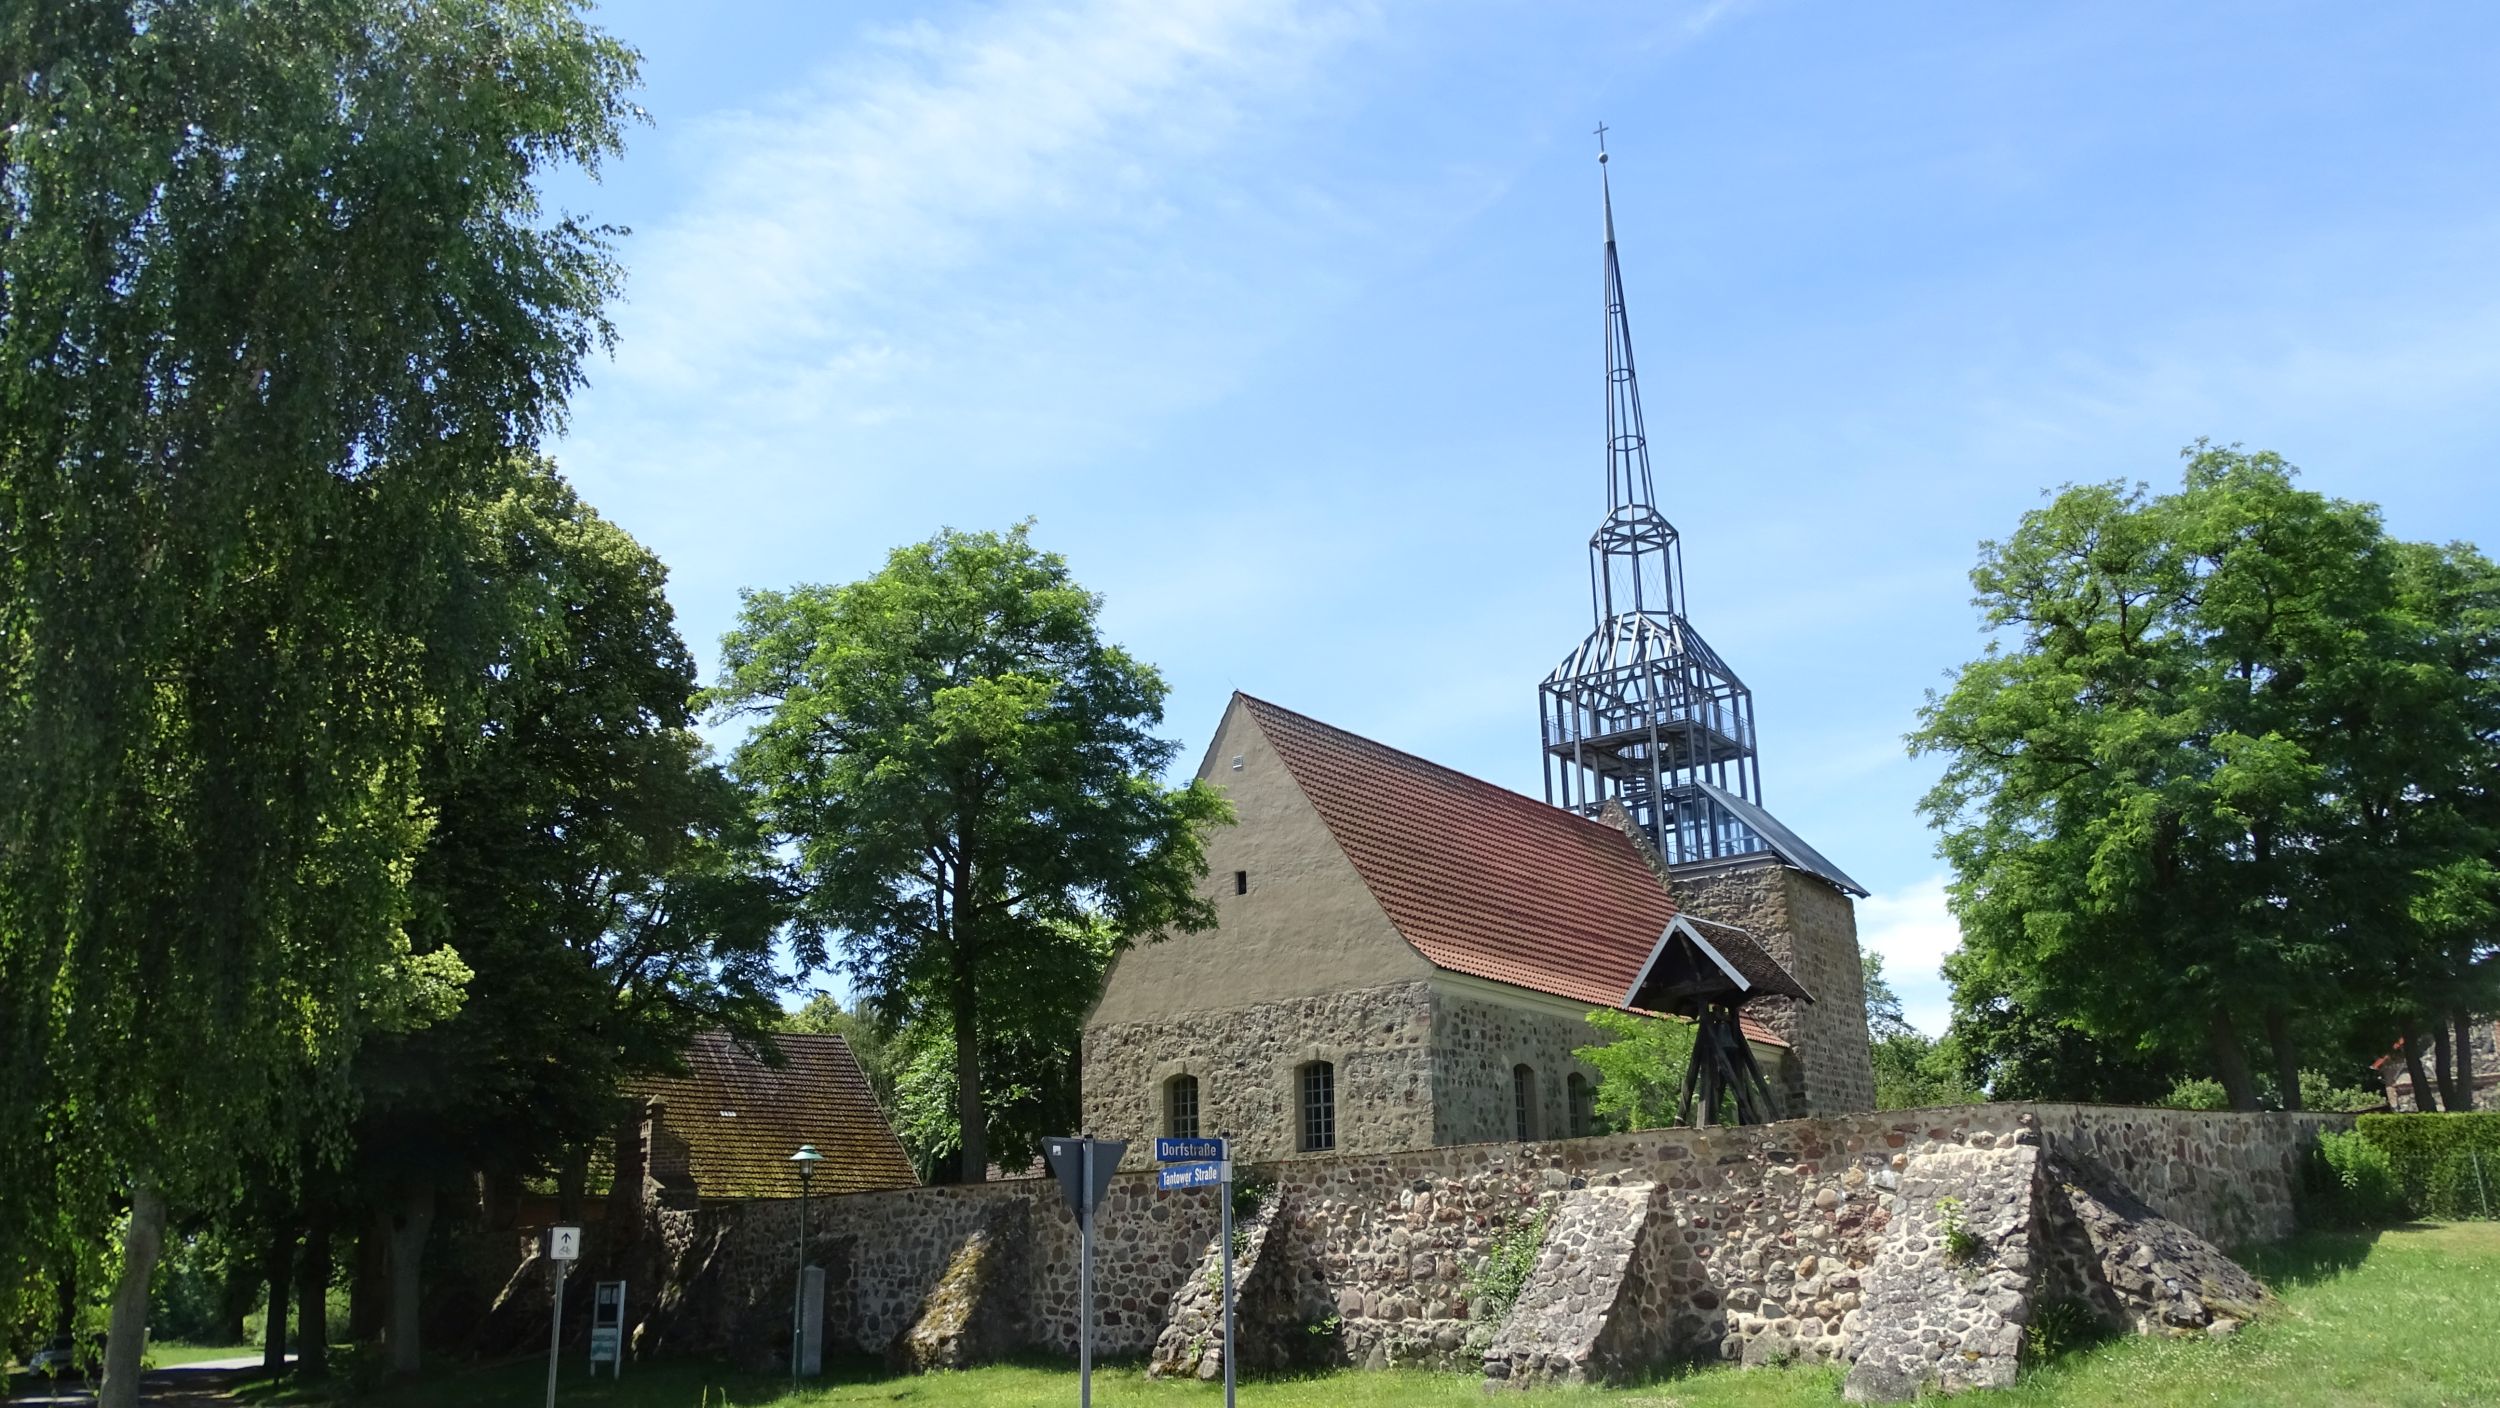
pixel 312 1320
pixel 127 1339
pixel 2439 1053
pixel 2286 1056
pixel 409 1227
pixel 969 1114
pixel 241 1288
pixel 369 1290
pixel 2231 1063
pixel 2421 1074
pixel 2465 1060
pixel 968 1110
pixel 277 1269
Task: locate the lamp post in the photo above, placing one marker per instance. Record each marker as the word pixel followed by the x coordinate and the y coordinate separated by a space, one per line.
pixel 806 1158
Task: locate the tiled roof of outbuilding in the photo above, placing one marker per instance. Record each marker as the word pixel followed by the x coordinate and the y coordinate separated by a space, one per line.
pixel 1480 879
pixel 742 1119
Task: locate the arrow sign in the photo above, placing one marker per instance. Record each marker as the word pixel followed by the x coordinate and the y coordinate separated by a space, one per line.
pixel 1193 1150
pixel 1189 1176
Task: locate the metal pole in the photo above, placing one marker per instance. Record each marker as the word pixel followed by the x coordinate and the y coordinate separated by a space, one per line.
pixel 1224 1195
pixel 1085 1280
pixel 798 1286
pixel 555 1332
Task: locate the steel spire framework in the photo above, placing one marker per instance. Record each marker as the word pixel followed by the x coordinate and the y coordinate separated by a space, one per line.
pixel 1645 711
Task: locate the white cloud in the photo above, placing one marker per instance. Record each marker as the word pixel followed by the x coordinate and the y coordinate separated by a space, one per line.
pixel 1913 930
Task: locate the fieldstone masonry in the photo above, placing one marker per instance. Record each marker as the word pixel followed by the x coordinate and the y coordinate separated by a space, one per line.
pixel 1569 1324
pixel 1952 1286
pixel 1820 1239
pixel 1812 929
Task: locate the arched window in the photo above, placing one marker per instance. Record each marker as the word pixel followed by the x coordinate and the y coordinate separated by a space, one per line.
pixel 1180 1107
pixel 1318 1083
pixel 1583 1104
pixel 1523 1101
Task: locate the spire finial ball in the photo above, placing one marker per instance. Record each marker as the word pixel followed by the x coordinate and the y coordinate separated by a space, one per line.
pixel 1601 158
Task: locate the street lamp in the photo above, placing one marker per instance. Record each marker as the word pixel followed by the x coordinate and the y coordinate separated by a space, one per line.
pixel 806 1158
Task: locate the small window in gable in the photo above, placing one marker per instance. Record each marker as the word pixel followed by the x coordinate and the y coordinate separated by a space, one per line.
pixel 1241 882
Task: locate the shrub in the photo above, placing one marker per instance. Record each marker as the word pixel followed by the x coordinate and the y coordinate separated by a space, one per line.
pixel 2448 1165
pixel 1503 1273
pixel 2199 1093
pixel 2350 1182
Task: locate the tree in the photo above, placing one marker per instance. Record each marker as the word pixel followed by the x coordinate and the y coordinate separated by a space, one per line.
pixel 1640 1068
pixel 595 869
pixel 1912 1069
pixel 967 775
pixel 277 295
pixel 2197 791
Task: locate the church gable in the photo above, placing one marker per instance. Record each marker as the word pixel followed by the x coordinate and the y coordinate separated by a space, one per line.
pixel 1479 879
pixel 1293 918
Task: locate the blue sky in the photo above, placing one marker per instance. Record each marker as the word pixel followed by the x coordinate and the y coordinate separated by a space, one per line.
pixel 1283 320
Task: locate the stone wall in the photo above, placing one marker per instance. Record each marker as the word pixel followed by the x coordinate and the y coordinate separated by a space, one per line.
pixel 1477 1046
pixel 1247 1061
pixel 1759 1242
pixel 1812 929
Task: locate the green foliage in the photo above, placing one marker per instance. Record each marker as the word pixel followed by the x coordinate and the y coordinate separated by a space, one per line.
pixel 1031 1032
pixel 1495 1283
pixel 967 778
pixel 590 862
pixel 2448 1164
pixel 2062 1327
pixel 280 296
pixel 2318 1091
pixel 1640 1071
pixel 2175 783
pixel 1962 1246
pixel 2197 1093
pixel 2350 1182
pixel 1912 1069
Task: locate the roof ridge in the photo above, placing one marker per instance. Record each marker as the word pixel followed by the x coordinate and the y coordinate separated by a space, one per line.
pixel 1508 794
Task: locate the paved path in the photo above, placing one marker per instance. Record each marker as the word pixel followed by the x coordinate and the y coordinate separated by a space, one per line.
pixel 196 1385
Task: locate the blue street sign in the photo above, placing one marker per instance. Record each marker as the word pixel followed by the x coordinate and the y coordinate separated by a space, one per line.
pixel 1189 1176
pixel 1175 1150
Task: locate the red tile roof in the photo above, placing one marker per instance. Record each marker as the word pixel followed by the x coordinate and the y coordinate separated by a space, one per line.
pixel 1480 879
pixel 742 1120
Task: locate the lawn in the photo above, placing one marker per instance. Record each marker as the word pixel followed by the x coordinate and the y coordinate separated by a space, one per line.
pixel 2408 1316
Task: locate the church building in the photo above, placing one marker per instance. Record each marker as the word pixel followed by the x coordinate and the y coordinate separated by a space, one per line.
pixel 1406 956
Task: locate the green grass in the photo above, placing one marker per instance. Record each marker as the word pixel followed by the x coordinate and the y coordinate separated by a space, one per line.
pixel 2409 1316
pixel 165 1354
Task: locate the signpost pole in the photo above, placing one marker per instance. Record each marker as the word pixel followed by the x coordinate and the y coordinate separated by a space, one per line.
pixel 1224 1196
pixel 1085 1285
pixel 555 1332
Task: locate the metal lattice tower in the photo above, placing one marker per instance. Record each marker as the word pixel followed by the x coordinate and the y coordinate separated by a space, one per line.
pixel 1645 711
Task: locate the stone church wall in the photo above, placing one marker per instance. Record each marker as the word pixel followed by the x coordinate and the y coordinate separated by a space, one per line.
pixel 1477 1047
pixel 1247 1061
pixel 1759 1243
pixel 1812 929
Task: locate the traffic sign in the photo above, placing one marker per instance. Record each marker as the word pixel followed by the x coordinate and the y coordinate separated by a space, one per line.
pixel 1067 1160
pixel 1205 1175
pixel 564 1243
pixel 1176 1150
